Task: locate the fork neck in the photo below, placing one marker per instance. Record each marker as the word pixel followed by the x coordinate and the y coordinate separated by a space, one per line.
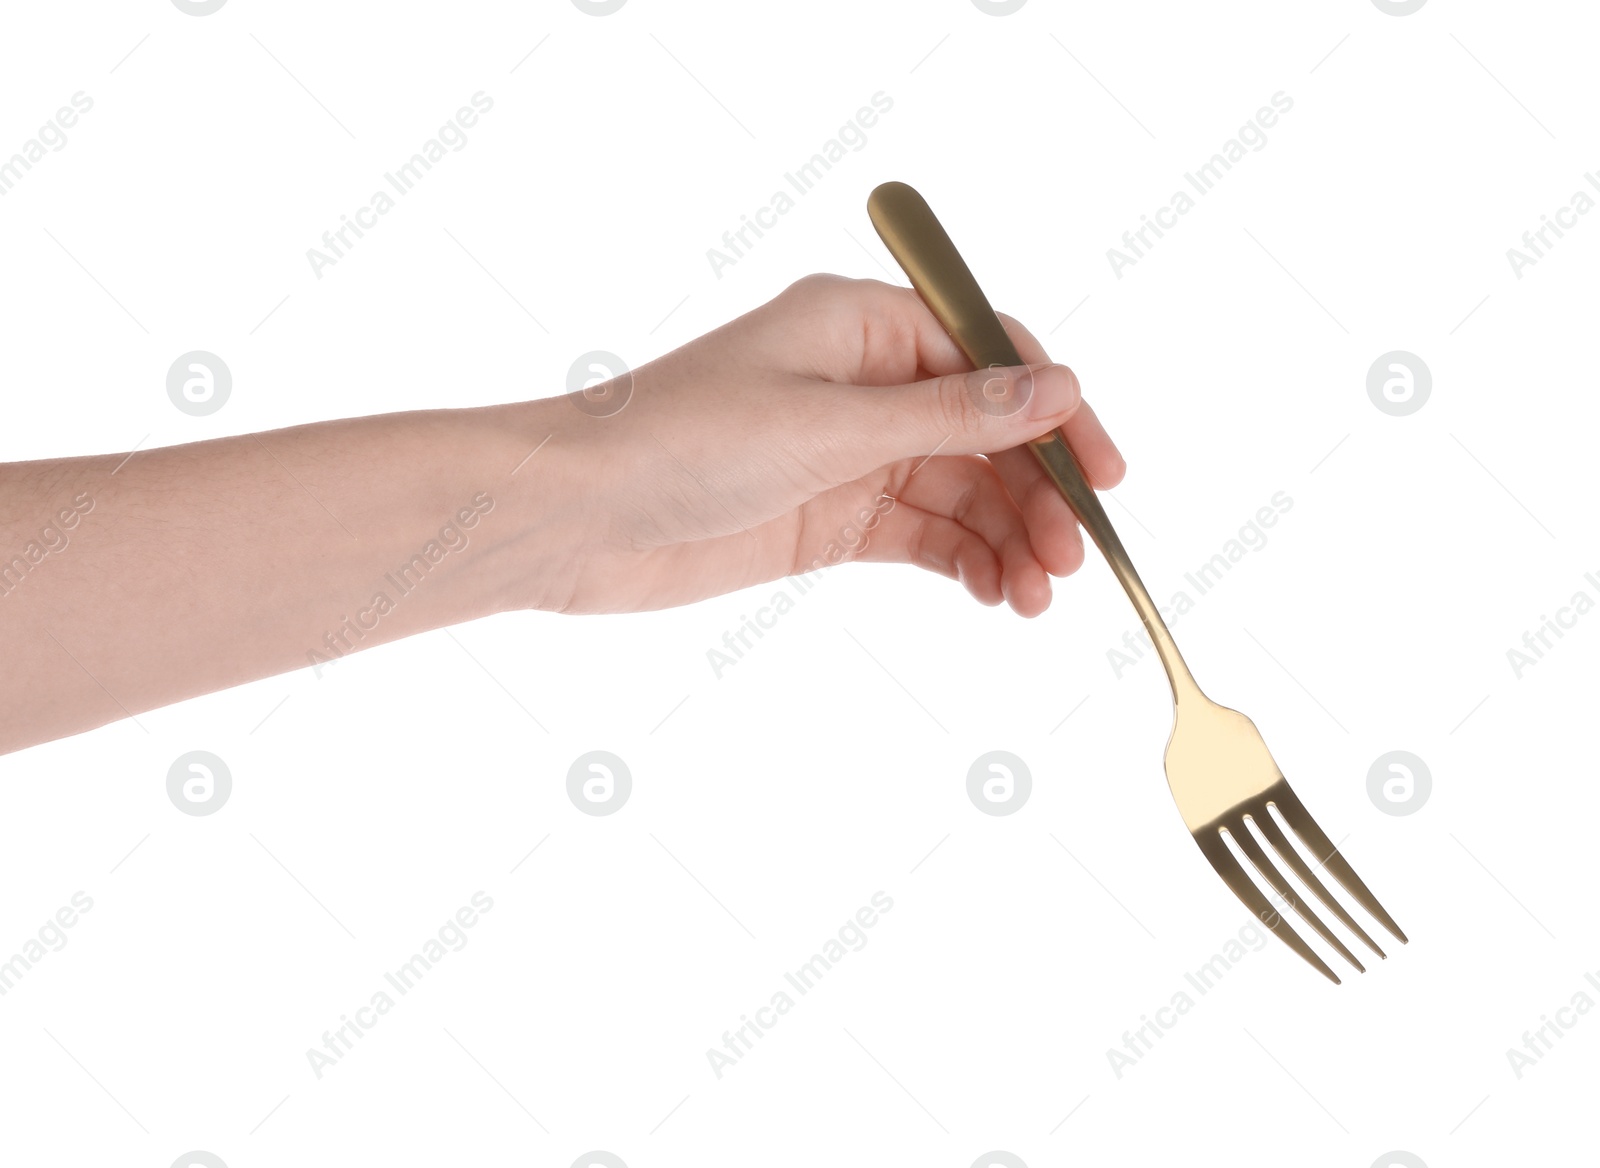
pixel 1184 687
pixel 1056 458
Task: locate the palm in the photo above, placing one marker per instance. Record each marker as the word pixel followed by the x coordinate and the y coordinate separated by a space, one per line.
pixel 724 552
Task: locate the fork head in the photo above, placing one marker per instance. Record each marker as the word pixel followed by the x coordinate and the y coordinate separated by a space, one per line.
pixel 1225 783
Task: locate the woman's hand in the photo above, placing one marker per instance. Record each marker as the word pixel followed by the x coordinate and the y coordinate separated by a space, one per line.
pixel 838 421
pixel 834 423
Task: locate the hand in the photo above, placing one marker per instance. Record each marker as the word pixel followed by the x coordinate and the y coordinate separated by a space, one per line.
pixel 834 423
pixel 800 435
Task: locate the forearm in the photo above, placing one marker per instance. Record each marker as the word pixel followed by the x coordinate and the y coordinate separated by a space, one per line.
pixel 127 585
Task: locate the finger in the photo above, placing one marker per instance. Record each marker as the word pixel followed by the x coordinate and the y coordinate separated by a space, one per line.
pixel 1102 463
pixel 901 333
pixel 972 412
pixel 855 332
pixel 1057 539
pixel 1053 530
pixel 898 339
pixel 969 490
pixel 902 341
pixel 937 543
pixel 905 324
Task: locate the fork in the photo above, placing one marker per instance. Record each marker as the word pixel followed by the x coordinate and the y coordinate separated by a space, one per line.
pixel 1222 777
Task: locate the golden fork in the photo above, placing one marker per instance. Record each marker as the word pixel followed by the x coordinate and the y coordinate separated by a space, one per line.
pixel 1220 772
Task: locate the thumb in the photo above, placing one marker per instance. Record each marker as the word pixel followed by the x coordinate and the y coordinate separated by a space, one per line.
pixel 978 412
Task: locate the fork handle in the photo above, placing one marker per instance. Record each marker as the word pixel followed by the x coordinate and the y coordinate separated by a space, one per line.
pixel 941 277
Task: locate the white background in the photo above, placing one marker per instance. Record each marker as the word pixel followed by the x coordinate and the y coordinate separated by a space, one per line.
pixel 1230 364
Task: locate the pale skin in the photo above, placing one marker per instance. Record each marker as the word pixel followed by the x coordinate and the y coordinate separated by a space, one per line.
pixel 749 454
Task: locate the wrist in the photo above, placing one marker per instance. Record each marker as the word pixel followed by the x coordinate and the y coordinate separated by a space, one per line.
pixel 536 521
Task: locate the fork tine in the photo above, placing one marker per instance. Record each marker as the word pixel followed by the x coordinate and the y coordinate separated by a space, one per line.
pixel 1294 811
pixel 1210 841
pixel 1269 872
pixel 1282 845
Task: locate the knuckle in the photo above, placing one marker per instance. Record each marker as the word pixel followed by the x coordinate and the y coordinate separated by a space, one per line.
pixel 959 396
pixel 817 285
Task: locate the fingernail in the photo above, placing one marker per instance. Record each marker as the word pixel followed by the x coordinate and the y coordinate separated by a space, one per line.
pixel 1053 391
